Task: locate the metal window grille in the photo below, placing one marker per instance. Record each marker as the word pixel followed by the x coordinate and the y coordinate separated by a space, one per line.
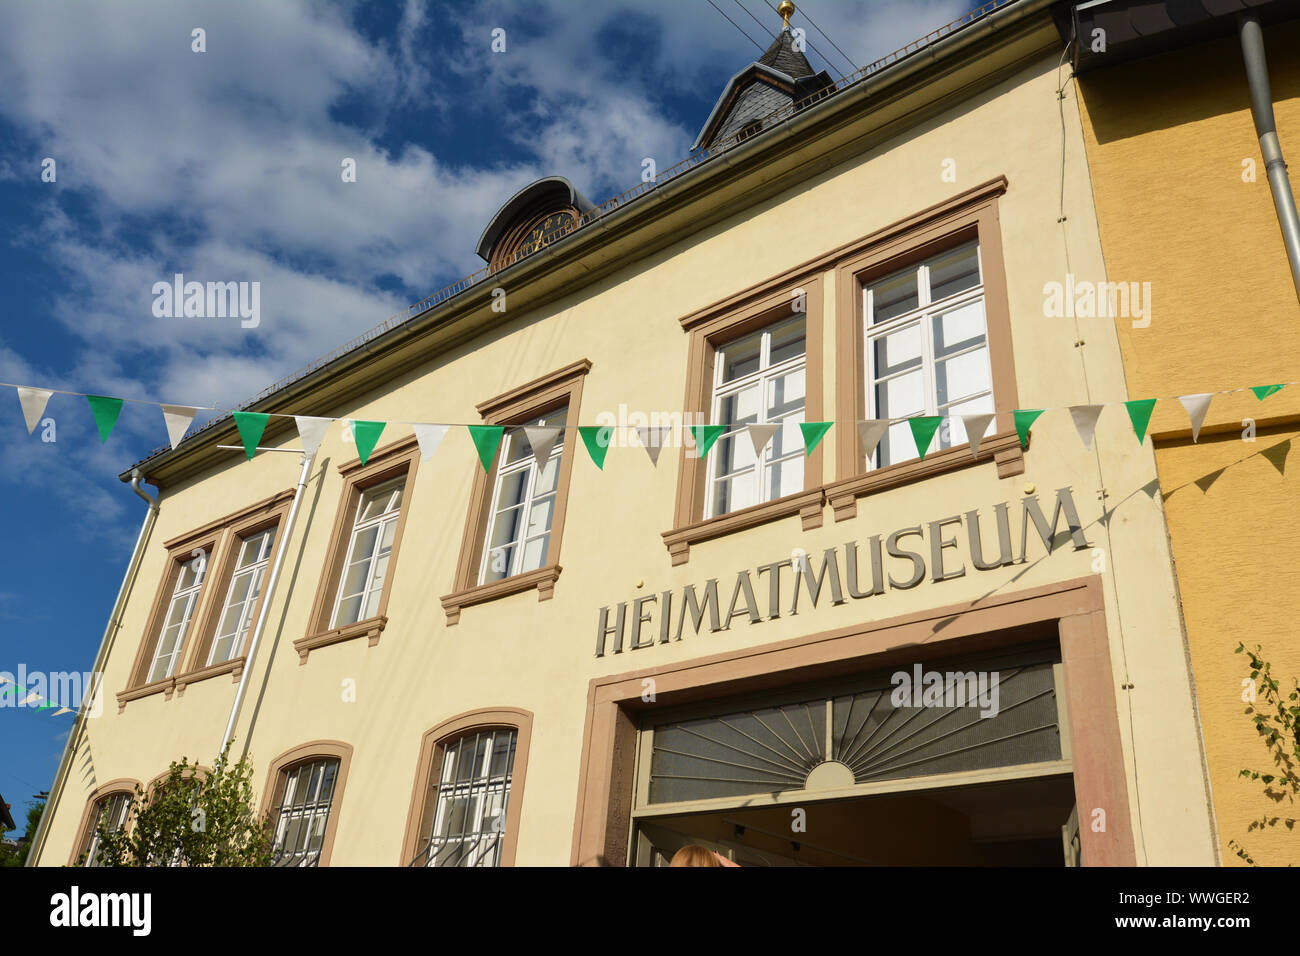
pixel 471 787
pixel 304 812
pixel 110 811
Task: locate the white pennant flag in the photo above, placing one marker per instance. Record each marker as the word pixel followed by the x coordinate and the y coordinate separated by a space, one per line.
pixel 429 437
pixel 31 698
pixel 62 710
pixel 1085 420
pixel 653 440
pixel 177 418
pixel 1197 407
pixel 870 432
pixel 760 435
pixel 542 439
pixel 977 427
pixel 33 401
pixel 311 431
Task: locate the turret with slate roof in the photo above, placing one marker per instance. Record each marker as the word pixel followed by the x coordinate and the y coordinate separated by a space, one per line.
pixel 780 77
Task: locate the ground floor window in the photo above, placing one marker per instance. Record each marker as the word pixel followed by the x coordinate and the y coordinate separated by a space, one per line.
pixel 470 793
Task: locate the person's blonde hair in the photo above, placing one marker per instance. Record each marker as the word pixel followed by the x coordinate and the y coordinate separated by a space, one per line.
pixel 694 855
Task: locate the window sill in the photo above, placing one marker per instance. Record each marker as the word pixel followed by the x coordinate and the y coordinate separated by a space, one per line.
pixel 543 579
pixel 806 504
pixel 166 686
pixel 234 667
pixel 1003 448
pixel 370 629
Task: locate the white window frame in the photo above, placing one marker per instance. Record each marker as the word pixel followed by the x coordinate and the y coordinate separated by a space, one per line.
pixel 923 315
pixel 191 597
pixel 257 570
pixel 529 501
pixel 765 374
pixel 390 515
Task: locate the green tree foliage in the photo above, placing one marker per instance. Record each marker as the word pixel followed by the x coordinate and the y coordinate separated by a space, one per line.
pixel 1277 720
pixel 194 817
pixel 18 857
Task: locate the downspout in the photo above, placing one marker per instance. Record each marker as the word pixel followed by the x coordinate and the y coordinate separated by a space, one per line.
pixel 265 610
pixel 97 672
pixel 1261 108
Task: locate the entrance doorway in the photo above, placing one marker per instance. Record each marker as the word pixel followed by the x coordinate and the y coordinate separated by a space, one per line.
pixel 1013 823
pixel 964 762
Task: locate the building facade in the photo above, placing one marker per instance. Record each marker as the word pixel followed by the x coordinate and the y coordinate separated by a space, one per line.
pixel 849 655
pixel 1180 180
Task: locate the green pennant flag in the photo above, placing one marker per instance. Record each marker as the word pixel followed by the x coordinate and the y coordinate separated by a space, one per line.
pixel 1024 417
pixel 487 438
pixel 706 435
pixel 1139 413
pixel 250 425
pixel 923 429
pixel 105 411
pixel 597 439
pixel 1264 391
pixel 813 433
pixel 367 437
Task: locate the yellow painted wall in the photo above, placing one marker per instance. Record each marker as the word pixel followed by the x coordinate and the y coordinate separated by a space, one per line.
pixel 1167 137
pixel 539 656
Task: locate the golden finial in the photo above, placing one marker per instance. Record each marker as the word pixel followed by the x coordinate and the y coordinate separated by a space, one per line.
pixel 786 9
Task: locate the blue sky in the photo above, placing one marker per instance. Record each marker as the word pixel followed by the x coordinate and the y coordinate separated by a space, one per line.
pixel 226 164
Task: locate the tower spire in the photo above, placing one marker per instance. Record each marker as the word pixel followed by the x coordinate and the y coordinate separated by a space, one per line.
pixel 786 10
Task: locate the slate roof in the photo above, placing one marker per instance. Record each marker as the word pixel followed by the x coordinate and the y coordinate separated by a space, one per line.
pixel 782 56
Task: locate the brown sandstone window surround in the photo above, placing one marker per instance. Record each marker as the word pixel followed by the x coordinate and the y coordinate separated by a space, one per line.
pixel 520 406
pixel 99 798
pixel 710 330
pixel 278 778
pixel 420 816
pixel 971 215
pixel 217 541
pixel 395 462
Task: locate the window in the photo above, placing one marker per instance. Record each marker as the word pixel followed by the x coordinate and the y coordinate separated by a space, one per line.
pixel 373 531
pixel 755 358
pixel 923 327
pixel 180 611
pixel 110 810
pixel 927 350
pixel 523 505
pixel 515 522
pixel 468 790
pixel 471 791
pixel 241 598
pixel 361 560
pixel 190 637
pixel 303 814
pixel 758 380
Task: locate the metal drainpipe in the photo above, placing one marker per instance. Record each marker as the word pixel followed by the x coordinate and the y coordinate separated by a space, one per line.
pixel 1261 108
pixel 280 552
pixel 61 776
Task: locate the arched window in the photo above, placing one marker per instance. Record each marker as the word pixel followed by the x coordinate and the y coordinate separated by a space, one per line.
pixel 110 803
pixel 469 789
pixel 304 793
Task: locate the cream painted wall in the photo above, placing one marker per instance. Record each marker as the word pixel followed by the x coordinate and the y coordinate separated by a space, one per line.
pixel 539 656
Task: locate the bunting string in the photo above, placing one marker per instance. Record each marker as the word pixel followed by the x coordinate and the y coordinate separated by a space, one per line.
pixel 597 439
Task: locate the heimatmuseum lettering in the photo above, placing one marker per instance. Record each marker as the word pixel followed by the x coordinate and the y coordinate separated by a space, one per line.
pixel 764 593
